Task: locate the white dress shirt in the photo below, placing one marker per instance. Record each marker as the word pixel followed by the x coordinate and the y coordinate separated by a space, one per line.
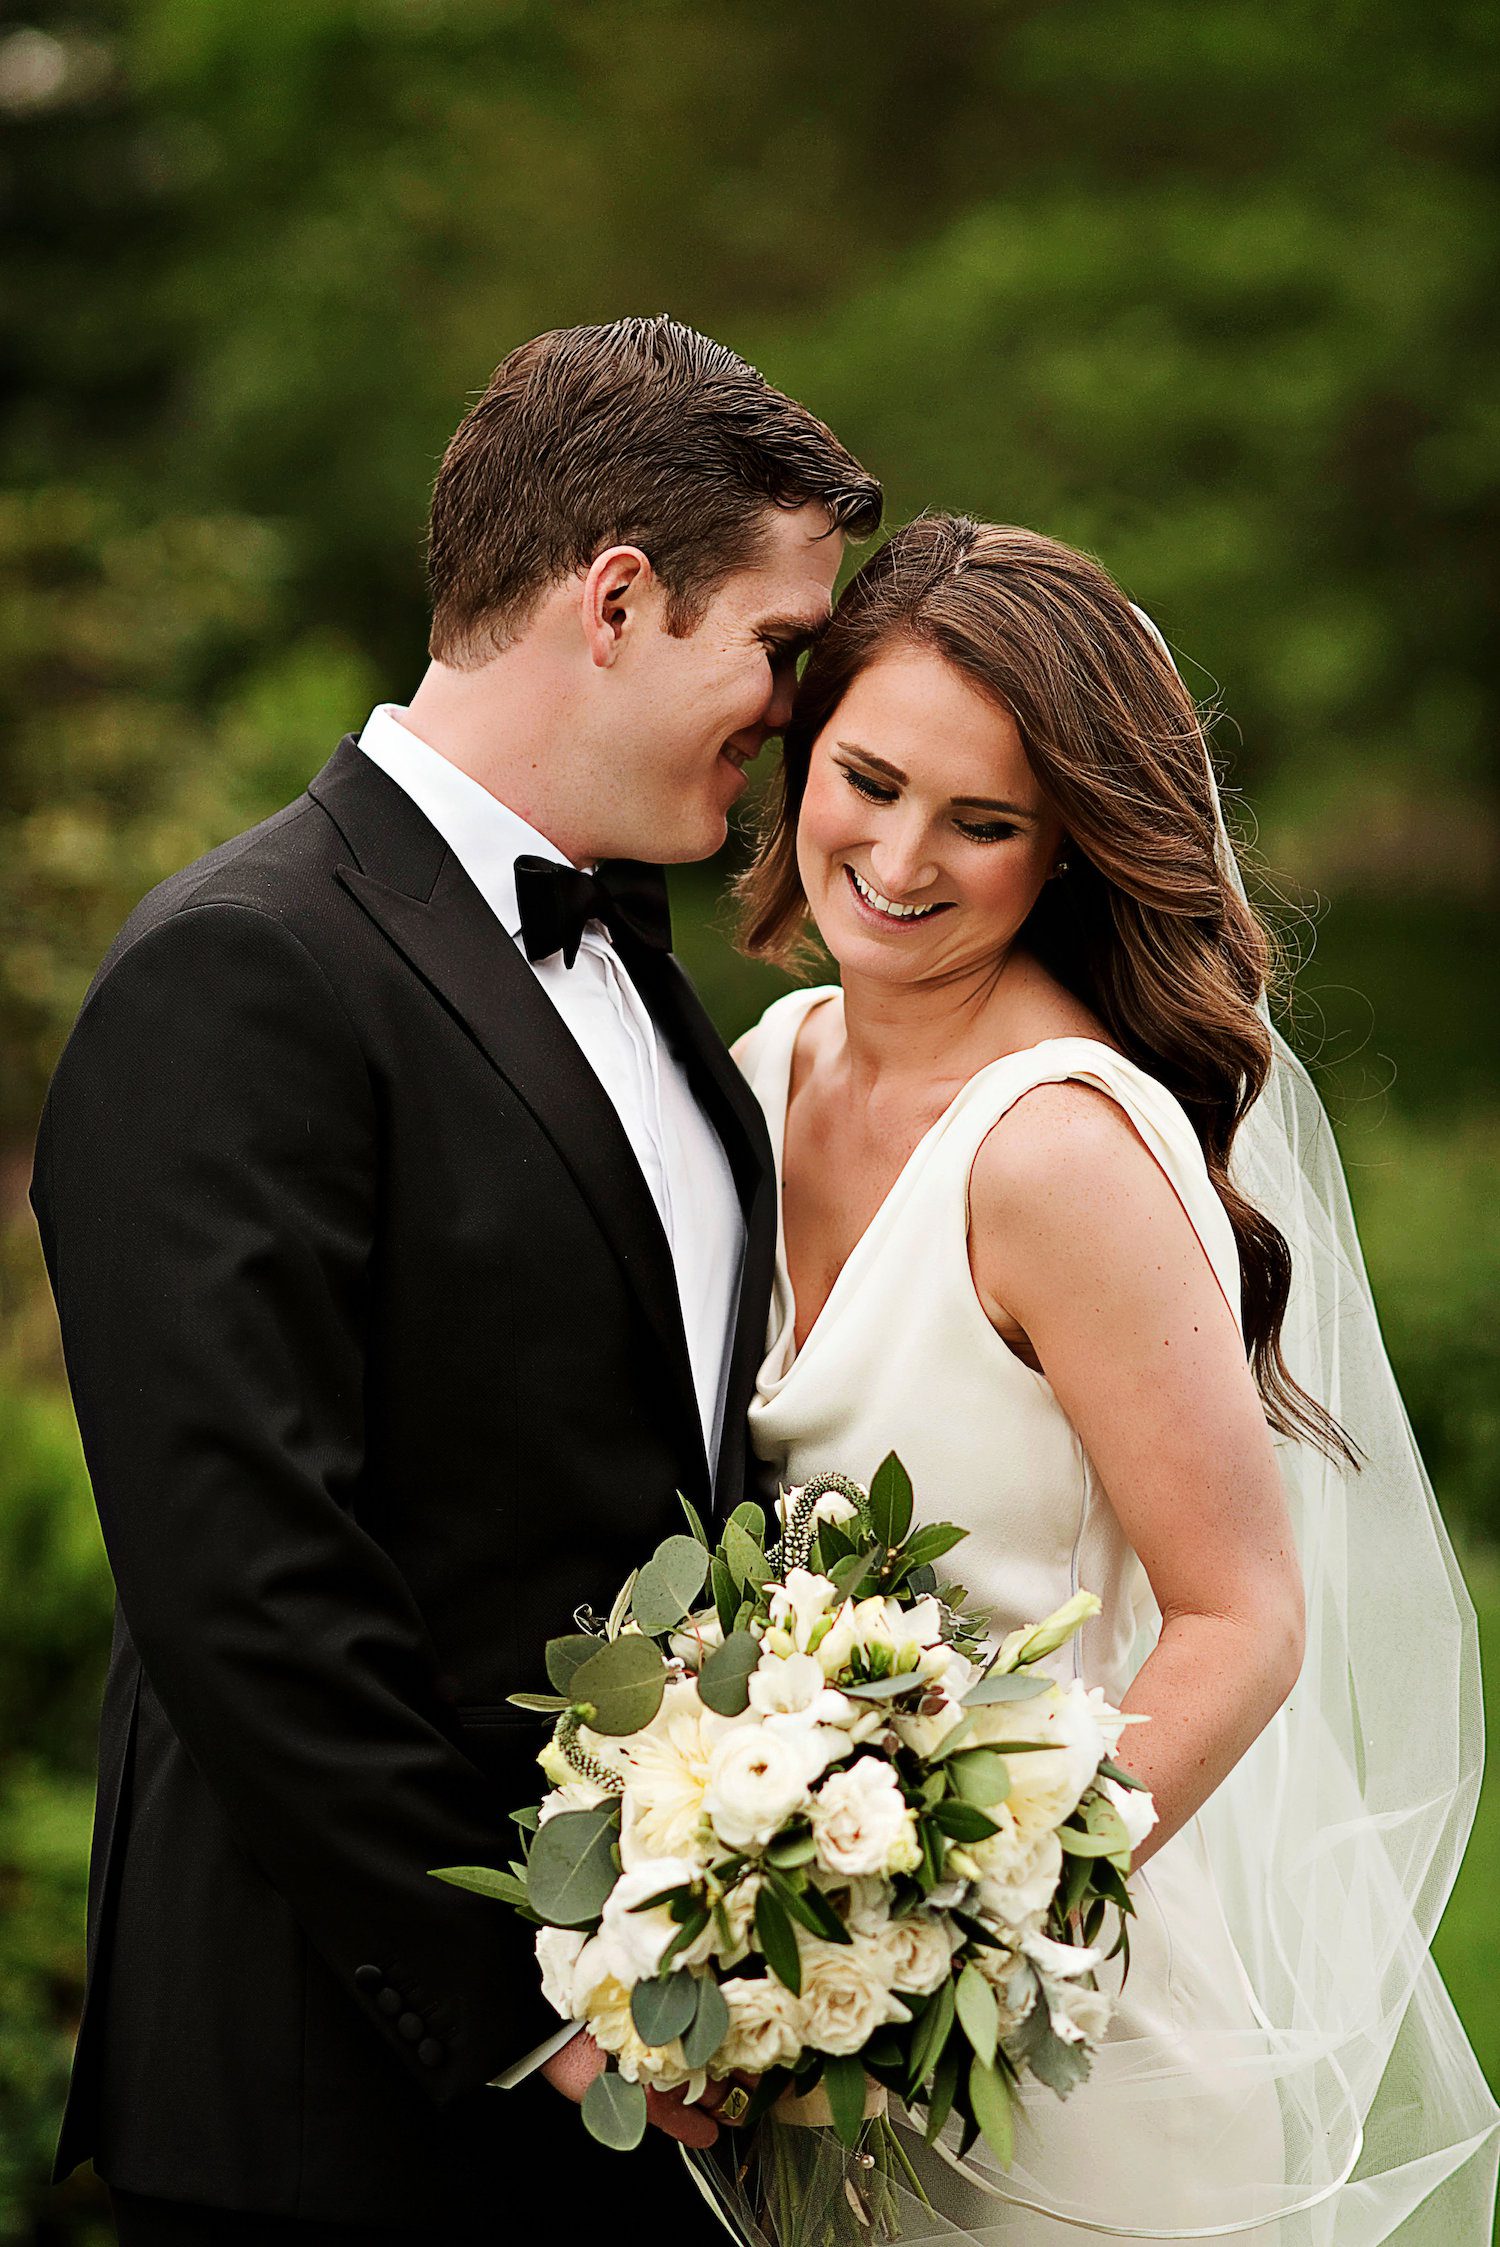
pixel 680 1154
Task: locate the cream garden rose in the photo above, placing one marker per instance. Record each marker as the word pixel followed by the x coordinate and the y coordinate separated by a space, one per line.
pixel 846 1993
pixel 765 2027
pixel 861 1823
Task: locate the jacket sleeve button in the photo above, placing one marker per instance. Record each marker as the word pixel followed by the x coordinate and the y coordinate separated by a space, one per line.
pixel 430 2052
pixel 411 2026
pixel 389 2000
pixel 367 1978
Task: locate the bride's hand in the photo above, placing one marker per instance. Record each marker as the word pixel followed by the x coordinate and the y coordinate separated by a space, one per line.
pixel 574 2068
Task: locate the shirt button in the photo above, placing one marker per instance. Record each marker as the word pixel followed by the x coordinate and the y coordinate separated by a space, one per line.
pixel 368 1978
pixel 411 2026
pixel 389 2000
pixel 430 2052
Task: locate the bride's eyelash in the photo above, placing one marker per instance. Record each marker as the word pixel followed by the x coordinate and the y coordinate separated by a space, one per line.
pixel 987 831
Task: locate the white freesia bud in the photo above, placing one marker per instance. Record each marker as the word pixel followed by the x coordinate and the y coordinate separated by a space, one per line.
pixel 793 1685
pixel 1137 1809
pixel 861 1824
pixel 846 1993
pixel 1035 1641
pixel 759 1778
pixel 799 1605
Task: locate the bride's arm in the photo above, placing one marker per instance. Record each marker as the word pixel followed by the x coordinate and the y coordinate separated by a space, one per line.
pixel 1077 1237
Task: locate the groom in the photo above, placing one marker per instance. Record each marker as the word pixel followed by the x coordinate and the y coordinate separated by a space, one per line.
pixel 411 1234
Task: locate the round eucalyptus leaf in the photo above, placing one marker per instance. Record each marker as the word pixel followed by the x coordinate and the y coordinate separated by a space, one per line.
pixel 668 1584
pixel 710 2024
pixel 662 2010
pixel 614 2112
pixel 623 1683
pixel 980 1776
pixel 724 1680
pixel 571 1868
pixel 566 1655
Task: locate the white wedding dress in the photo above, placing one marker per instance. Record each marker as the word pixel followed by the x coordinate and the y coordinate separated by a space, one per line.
pixel 1204 2115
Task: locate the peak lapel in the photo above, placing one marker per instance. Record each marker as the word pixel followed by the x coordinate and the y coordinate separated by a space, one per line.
pixel 418 895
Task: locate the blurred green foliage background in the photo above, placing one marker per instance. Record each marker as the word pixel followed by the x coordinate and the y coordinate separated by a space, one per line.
pixel 1207 290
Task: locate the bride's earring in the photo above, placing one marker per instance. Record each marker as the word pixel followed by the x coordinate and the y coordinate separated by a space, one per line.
pixel 1061 867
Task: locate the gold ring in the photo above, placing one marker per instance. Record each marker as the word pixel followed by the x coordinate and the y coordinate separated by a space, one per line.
pixel 735 2104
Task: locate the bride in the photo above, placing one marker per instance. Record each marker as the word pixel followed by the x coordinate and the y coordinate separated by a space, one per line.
pixel 1062 1224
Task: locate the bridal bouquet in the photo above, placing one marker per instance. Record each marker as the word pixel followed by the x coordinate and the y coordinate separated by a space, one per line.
pixel 801 1831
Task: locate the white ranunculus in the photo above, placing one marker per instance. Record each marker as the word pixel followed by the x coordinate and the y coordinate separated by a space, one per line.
pixel 919 1951
pixel 846 1993
pixel 799 1605
pixel 765 2028
pixel 557 1954
pixel 862 1824
pixel 633 1941
pixel 1137 1809
pixel 758 1778
pixel 666 1768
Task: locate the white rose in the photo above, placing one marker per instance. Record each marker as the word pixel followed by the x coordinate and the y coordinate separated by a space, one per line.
pixel 633 1941
pixel 861 1824
pixel 765 2029
pixel 918 1949
pixel 1137 1809
pixel 846 1993
pixel 758 1778
pixel 557 1954
pixel 1016 1873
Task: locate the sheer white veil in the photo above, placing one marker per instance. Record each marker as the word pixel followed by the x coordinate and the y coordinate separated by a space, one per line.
pixel 1359 2108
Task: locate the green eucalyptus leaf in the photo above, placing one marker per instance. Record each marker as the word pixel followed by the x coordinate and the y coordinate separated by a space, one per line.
pixel 695 1522
pixel 571 1869
pixel 483 1880
pixel 844 2082
pixel 668 1584
pixel 885 1688
pixel 545 1704
pixel 564 1656
pixel 724 1680
pixel 980 1776
pixel 1006 1685
pixel 1078 1844
pixel 710 2024
pixel 989 2098
pixel 623 1683
pixel 614 2112
pixel 661 2010
pixel 891 1500
pixel 978 2012
pixel 747 1562
pixel 749 1517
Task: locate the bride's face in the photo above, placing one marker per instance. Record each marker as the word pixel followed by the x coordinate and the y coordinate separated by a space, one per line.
pixel 924 839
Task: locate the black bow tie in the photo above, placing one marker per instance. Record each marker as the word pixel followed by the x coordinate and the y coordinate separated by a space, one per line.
pixel 556 901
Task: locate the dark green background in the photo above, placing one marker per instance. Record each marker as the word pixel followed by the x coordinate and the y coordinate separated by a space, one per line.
pixel 1205 289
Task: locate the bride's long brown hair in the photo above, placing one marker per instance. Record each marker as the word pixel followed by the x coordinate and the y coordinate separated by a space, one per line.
pixel 1145 926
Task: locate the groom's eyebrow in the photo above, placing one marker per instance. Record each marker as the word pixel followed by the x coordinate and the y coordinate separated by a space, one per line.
pixel 799 630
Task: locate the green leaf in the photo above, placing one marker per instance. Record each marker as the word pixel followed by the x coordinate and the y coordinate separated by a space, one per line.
pixel 571 1869
pixel 528 1817
pixel 621 1608
pixel 885 1688
pixel 978 2013
pixel 661 2010
pixel 483 1880
pixel 778 1941
pixel 787 1855
pixel 686 1935
pixel 1006 1685
pixel 989 2097
pixel 710 2024
pixel 810 1907
pixel 1109 1769
pixel 952 1741
pixel 931 1541
pixel 844 2081
pixel 977 1932
pixel 891 1500
pixel 1078 1844
pixel 859 1566
pixel 747 1562
pixel 726 1593
pixel 930 2035
pixel 980 1776
pixel 695 1522
pixel 1061 2066
pixel 564 1656
pixel 944 2085
pixel 623 1683
pixel 963 1821
pixel 668 1584
pixel 724 1680
pixel 614 2112
pixel 548 1704
pixel 749 1517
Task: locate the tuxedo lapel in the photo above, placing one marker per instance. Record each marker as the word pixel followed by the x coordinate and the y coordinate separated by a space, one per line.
pixel 418 895
pixel 737 1116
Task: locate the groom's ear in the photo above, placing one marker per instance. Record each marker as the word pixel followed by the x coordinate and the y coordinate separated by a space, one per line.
pixel 618 589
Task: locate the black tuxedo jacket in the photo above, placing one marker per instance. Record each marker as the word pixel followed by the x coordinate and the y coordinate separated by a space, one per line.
pixel 374 1340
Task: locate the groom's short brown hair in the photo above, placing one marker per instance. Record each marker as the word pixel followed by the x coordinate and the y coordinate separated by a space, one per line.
pixel 642 432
